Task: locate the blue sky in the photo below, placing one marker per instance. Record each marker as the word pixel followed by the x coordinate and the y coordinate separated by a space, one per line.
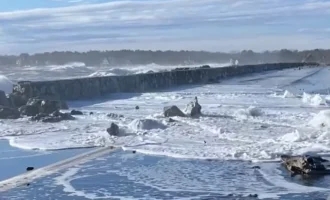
pixel 212 25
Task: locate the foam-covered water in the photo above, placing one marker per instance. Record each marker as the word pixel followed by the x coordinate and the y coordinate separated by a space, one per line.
pixel 77 69
pixel 242 120
pixel 126 176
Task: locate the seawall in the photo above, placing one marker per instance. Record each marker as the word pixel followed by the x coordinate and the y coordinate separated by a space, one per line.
pixel 91 87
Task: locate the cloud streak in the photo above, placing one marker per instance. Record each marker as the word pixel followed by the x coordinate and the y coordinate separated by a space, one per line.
pixel 163 22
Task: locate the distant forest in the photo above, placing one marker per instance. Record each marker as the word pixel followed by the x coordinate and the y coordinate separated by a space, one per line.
pixel 139 57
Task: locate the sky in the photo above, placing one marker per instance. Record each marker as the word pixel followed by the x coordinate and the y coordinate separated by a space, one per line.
pixel 30 26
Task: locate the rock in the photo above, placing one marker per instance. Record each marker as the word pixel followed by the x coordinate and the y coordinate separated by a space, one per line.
pixel 205 67
pixel 29 110
pixel 17 100
pixel 133 151
pixel 91 113
pixel 39 117
pixel 137 107
pixel 113 130
pixel 114 115
pixel 62 104
pixel 45 105
pixel 76 112
pixel 3 99
pixel 306 164
pixel 56 116
pixel 9 113
pixel 255 167
pixel 170 120
pixel 29 168
pixel 253 195
pixel 193 109
pixel 173 111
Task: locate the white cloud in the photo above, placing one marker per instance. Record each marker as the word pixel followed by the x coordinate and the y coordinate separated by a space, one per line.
pixel 129 21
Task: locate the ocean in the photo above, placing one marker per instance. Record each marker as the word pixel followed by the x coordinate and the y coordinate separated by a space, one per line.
pixel 247 121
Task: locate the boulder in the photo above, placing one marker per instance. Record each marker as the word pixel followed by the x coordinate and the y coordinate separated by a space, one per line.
pixel 9 113
pixel 76 112
pixel 113 130
pixel 45 105
pixel 56 116
pixel 172 111
pixel 17 100
pixel 193 109
pixel 29 168
pixel 3 99
pixel 306 164
pixel 205 67
pixel 114 115
pixel 29 110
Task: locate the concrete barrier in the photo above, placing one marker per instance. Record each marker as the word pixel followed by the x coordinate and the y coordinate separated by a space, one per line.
pixel 91 87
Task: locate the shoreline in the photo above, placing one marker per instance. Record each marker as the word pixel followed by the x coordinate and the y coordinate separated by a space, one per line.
pixel 58 161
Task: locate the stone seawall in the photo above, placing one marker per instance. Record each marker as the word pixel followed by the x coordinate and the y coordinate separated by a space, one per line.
pixel 84 88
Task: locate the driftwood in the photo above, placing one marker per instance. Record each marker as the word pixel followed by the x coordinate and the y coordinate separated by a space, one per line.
pixel 306 164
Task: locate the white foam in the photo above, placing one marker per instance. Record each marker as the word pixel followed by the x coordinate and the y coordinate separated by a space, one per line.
pixel 241 120
pixel 5 84
pixel 321 119
pixel 145 69
pixel 288 94
pixel 314 100
pixel 251 111
pixel 146 124
pixel 292 137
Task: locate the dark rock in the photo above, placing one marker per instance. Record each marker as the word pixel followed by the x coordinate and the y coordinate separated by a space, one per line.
pixel 29 110
pixel 29 168
pixel 76 112
pixel 306 164
pixel 45 105
pixel 114 115
pixel 193 109
pixel 253 195
pixel 137 107
pixel 54 117
pixel 172 111
pixel 9 113
pixel 64 105
pixel 205 67
pixel 39 117
pixel 171 120
pixel 91 113
pixel 17 100
pixel 113 130
pixel 134 151
pixel 3 99
pixel 255 167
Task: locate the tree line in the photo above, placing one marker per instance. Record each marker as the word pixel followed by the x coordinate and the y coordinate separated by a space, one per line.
pixel 141 57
